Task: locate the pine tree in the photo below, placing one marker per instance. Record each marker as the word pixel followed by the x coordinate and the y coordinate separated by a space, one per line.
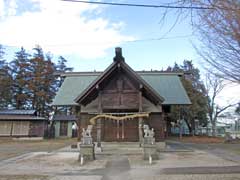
pixel 61 67
pixel 30 82
pixel 21 75
pixel 36 82
pixel 237 110
pixel 36 69
pixel 49 85
pixel 42 81
pixel 197 94
pixel 5 82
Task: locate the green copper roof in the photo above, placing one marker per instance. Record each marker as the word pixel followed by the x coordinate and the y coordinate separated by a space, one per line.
pixel 71 88
pixel 168 86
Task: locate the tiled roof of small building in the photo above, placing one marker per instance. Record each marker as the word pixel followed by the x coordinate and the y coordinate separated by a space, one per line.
pixel 63 117
pixel 17 112
pixel 21 118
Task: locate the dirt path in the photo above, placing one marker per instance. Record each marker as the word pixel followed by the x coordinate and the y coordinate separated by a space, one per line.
pixel 124 162
pixel 12 148
pixel 230 152
pixel 117 169
pixel 202 170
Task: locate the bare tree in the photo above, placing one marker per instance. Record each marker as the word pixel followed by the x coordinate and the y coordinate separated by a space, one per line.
pixel 218 29
pixel 214 86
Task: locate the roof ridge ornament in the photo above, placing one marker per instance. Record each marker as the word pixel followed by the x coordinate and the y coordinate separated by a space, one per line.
pixel 118 55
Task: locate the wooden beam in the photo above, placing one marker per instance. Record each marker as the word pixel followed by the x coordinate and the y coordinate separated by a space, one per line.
pixel 140 108
pixel 99 120
pixel 140 119
pixel 77 112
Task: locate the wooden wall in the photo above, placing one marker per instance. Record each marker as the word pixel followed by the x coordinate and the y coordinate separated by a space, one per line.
pixel 120 93
pixel 23 128
pixel 157 122
pixel 37 128
pixel 83 122
pixel 5 128
pixel 124 131
pixel 111 130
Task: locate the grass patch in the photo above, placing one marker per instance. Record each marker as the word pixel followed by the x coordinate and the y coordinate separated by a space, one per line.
pixel 24 177
pixel 200 139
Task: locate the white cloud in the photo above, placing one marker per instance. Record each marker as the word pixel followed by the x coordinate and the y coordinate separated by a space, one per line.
pixel 12 8
pixel 61 27
pixel 229 95
pixel 7 8
pixel 2 9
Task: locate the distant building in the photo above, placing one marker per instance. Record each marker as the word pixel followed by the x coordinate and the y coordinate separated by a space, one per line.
pixel 64 125
pixel 21 123
pixel 175 129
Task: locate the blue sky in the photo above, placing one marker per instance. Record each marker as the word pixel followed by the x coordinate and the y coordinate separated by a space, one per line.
pixel 51 24
pixel 86 35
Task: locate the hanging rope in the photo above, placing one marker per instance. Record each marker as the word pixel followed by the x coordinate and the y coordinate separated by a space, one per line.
pixel 118 118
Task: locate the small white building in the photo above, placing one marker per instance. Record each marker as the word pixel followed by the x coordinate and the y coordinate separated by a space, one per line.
pixel 64 125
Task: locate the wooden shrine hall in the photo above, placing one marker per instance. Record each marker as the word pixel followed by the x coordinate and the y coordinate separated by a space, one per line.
pixel 119 100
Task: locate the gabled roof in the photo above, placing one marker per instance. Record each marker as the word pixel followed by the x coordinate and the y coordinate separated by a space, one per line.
pixel 167 87
pixel 119 63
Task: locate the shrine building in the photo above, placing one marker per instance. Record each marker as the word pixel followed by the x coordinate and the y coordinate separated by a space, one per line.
pixel 119 100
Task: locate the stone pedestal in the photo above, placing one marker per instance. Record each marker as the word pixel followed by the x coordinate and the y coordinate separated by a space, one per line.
pixel 87 152
pixel 148 140
pixel 149 144
pixel 86 141
pixel 161 146
pixel 150 150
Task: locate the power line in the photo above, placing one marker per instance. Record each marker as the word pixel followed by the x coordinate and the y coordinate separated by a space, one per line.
pixel 141 5
pixel 157 39
pixel 127 41
pixel 112 42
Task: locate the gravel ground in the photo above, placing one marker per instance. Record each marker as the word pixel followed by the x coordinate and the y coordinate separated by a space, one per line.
pixel 226 151
pixel 123 162
pixel 11 148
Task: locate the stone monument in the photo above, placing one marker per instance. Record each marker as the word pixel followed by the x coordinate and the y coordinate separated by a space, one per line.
pixel 149 145
pixel 86 145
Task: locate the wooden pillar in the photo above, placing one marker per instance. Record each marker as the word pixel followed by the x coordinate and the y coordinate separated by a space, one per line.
pixel 77 112
pixel 99 123
pixel 123 136
pixel 140 120
pixel 164 128
pixel 118 135
pixel 180 124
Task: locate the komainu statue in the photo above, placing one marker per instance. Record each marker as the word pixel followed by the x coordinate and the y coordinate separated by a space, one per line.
pixel 87 132
pixel 86 135
pixel 147 131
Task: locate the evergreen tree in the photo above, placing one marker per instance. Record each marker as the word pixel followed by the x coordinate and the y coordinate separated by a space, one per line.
pixel 21 75
pixel 5 82
pixel 238 109
pixel 49 85
pixel 41 81
pixel 197 94
pixel 30 82
pixel 61 67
